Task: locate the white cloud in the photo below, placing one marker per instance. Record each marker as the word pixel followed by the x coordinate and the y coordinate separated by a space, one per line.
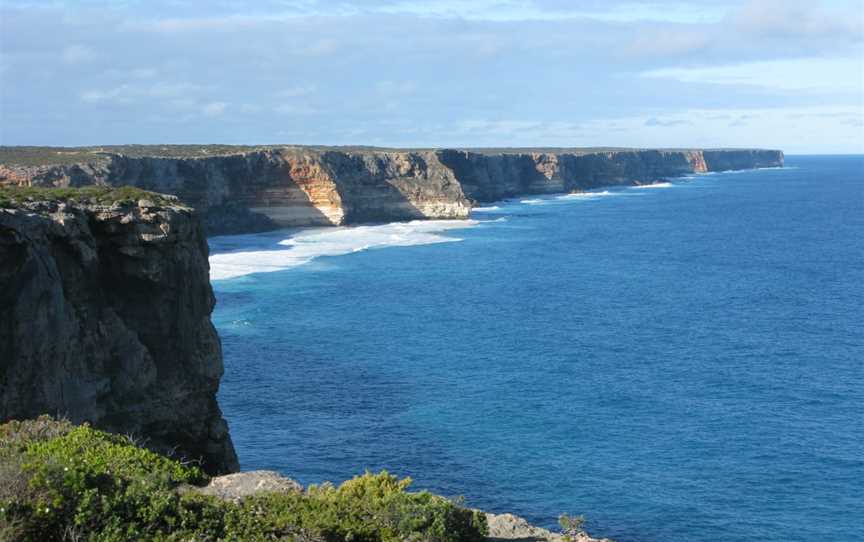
pixel 214 109
pixel 801 74
pixel 296 109
pixel 121 94
pixel 665 43
pixel 395 88
pixel 320 47
pixel 791 18
pixel 410 72
pixel 78 54
pixel 297 91
pixel 174 93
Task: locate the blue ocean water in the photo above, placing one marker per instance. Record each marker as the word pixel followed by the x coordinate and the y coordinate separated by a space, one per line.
pixel 678 363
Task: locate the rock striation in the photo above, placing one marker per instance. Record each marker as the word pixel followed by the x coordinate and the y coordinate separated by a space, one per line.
pixel 105 317
pixel 248 189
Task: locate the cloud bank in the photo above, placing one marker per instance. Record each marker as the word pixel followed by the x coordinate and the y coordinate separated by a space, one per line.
pixel 446 73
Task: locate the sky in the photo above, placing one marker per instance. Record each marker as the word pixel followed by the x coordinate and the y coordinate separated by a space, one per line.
pixel 782 74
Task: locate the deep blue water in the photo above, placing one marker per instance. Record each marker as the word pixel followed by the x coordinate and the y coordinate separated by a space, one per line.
pixel 678 364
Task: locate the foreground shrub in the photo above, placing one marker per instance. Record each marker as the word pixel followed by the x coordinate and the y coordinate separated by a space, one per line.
pixel 372 507
pixel 76 483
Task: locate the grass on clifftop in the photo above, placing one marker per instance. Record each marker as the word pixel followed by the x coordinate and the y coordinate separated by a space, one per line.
pixel 13 196
pixel 60 482
pixel 67 156
pixel 60 156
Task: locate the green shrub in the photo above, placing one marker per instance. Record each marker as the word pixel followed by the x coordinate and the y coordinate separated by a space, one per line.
pixel 77 483
pixel 13 196
pixel 571 526
pixel 16 435
pixel 367 508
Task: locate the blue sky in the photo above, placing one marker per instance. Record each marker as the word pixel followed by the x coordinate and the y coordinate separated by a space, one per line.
pixel 663 73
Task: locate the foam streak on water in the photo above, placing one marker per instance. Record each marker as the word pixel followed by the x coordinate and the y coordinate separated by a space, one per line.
pixel 654 185
pixel 306 246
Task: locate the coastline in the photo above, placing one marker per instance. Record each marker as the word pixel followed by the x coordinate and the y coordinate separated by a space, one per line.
pixel 254 189
pixel 149 226
pixel 298 245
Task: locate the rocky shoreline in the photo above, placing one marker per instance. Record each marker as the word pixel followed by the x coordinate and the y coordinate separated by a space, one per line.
pixel 251 189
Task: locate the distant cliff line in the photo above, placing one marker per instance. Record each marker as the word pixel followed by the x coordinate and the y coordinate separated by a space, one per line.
pixel 242 189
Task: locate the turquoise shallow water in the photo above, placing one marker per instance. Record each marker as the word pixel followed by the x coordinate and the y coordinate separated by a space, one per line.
pixel 681 363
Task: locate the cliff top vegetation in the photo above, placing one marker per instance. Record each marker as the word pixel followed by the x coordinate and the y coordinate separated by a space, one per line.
pixel 52 156
pixel 15 196
pixel 63 482
pixel 59 156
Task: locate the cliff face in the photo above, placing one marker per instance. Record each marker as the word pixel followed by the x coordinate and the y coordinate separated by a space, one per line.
pixel 489 177
pixel 742 159
pixel 105 317
pixel 268 187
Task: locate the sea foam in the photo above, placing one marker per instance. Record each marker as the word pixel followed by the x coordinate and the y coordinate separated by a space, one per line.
pixel 655 185
pixel 306 246
pixel 586 195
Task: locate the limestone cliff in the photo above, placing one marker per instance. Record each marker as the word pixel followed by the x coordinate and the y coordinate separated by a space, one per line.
pixel 105 317
pixel 247 189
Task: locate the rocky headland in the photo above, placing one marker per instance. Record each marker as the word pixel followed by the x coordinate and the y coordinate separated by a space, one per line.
pixel 105 305
pixel 248 189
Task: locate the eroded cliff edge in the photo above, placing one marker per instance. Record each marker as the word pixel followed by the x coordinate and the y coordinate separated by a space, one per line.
pixel 105 317
pixel 246 189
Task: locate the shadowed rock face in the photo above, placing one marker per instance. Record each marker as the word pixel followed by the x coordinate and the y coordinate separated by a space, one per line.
pixel 270 187
pixel 105 317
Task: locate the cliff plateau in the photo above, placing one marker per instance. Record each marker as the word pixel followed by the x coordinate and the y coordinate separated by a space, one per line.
pixel 105 317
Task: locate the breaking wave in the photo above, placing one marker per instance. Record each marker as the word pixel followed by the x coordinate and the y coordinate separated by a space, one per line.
pixel 655 185
pixel 586 195
pixel 308 245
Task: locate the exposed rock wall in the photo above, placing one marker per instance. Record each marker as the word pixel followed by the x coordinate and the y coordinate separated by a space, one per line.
pixel 304 186
pixel 726 160
pixel 489 177
pixel 105 317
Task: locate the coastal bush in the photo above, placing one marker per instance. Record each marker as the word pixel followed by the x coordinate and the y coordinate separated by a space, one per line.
pixel 60 156
pixel 12 196
pixel 367 508
pixel 62 482
pixel 571 526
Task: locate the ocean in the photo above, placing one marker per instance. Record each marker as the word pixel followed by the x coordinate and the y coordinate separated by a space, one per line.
pixel 682 362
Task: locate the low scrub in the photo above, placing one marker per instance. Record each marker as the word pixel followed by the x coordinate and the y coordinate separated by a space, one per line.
pixel 67 483
pixel 13 196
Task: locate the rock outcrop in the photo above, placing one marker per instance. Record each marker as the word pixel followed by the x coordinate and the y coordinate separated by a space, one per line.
pixel 253 189
pixel 105 317
pixel 509 527
pixel 237 486
pixel 502 527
